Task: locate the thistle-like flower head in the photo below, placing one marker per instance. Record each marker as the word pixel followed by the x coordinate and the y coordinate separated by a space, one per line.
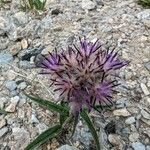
pixel 82 75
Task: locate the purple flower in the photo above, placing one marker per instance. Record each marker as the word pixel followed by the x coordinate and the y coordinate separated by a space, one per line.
pixel 81 74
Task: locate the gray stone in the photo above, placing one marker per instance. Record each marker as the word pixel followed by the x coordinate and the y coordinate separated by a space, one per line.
pixel 130 120
pixel 144 14
pixel 121 103
pixel 11 108
pixel 2 122
pixel 45 24
pixel 3 46
pixel 20 18
pixel 25 65
pixel 134 137
pixel 147 23
pixel 146 131
pixel 116 140
pixel 14 93
pixel 121 112
pixel 24 44
pixel 5 58
pixel 148 147
pixel 144 89
pixel 145 114
pixel 15 99
pixel 126 131
pixel 3 23
pixel 11 75
pixel 3 101
pixel 146 121
pixel 34 119
pixel 83 135
pixel 88 4
pixel 22 85
pixel 100 2
pixel 3 131
pixel 14 102
pixel 11 85
pixel 67 147
pixel 15 48
pixel 22 138
pixel 138 146
pixel 41 127
pixel 147 65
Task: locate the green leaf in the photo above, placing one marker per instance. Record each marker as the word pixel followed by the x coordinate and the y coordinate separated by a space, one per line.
pixel 63 116
pixel 76 118
pixel 48 134
pixel 86 118
pixel 39 5
pixel 31 4
pixel 145 3
pixel 49 105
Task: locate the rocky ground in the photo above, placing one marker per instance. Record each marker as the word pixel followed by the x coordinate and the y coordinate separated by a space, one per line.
pixel 24 35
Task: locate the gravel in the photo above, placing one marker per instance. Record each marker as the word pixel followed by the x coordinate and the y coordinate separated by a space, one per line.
pixel 122 25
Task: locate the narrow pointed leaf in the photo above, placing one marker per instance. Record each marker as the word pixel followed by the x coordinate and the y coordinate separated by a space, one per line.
pixel 75 124
pixel 63 116
pixel 49 105
pixel 86 118
pixel 48 134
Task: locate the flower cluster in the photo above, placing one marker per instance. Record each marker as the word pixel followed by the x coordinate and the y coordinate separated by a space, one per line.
pixel 82 74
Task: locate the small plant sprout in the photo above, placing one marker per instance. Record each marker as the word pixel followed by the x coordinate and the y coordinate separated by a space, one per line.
pixel 84 77
pixel 38 5
pixel 144 3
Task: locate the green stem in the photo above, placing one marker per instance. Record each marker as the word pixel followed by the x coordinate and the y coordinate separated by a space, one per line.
pixel 67 121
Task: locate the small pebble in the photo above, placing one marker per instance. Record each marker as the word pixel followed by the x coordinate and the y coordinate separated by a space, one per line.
pixel 88 4
pixel 34 119
pixel 5 58
pixel 138 146
pixel 130 120
pixel 11 108
pixel 145 114
pixel 11 85
pixel 24 44
pixel 144 89
pixel 121 112
pixel 2 122
pixel 41 127
pixel 3 131
pixel 67 147
pixel 147 65
pixel 134 137
pixel 22 85
pixel 13 104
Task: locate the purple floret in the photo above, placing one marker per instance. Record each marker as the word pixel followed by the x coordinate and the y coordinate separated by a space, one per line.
pixel 110 61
